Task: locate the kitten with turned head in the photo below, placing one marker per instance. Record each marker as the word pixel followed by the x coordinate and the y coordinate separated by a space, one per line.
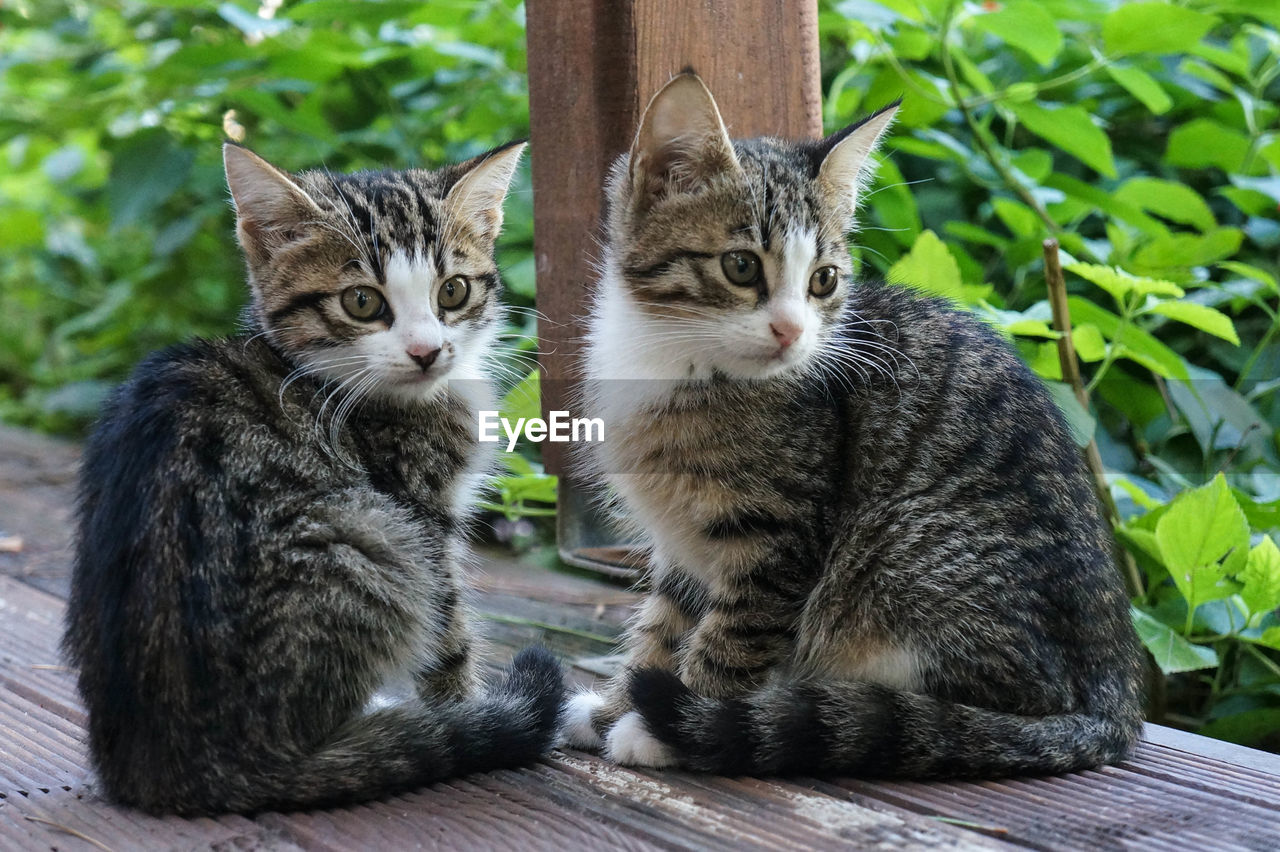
pixel 271 525
pixel 875 549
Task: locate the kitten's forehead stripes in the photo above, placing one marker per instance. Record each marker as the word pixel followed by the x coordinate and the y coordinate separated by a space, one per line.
pixel 780 175
pixel 404 211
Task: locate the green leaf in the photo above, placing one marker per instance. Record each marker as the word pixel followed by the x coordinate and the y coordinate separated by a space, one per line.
pixel 1261 578
pixel 517 464
pixel 1199 316
pixel 1261 515
pixel 250 24
pixel 1035 163
pixel 1204 143
pixel 1174 201
pixel 1089 342
pixel 1142 86
pixel 1138 345
pixel 1219 417
pixel 1043 359
pixel 21 229
pixel 1235 61
pixel 1247 728
pixel 1270 637
pixel 1248 201
pixel 1177 251
pixel 1153 28
pixel 1071 129
pixel 1143 499
pixel 1171 652
pixel 930 267
pixel 1105 202
pixel 1028 323
pixel 1253 273
pixel 1268 186
pixel 1138 400
pixel 1120 284
pixel 1079 420
pixel 1021 92
pixel 1142 544
pixel 1201 534
pixel 1207 73
pixel 145 173
pixel 1020 219
pixel 329 11
pixel 1142 540
pixel 1026 26
pixel 524 400
pixel 895 204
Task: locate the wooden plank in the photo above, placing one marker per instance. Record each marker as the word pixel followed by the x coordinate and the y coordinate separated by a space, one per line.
pixel 37 486
pixel 1237 755
pixel 1179 790
pixel 48 797
pixel 593 64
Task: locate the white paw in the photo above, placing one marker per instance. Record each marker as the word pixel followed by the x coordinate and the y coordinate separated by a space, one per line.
pixel 630 743
pixel 577 730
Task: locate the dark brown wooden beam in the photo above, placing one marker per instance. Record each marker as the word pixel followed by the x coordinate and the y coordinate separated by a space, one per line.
pixel 593 65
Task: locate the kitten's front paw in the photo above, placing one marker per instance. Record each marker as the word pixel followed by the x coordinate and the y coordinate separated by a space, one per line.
pixel 578 731
pixel 630 744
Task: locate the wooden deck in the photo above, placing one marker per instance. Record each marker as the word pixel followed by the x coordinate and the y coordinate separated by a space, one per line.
pixel 1179 792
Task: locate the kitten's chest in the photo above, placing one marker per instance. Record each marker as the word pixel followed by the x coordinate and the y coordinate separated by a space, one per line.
pixel 686 471
pixel 424 466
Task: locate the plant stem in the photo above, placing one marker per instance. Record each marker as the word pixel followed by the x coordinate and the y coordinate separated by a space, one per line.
pixel 1057 286
pixel 1113 352
pixel 1247 369
pixel 1264 659
pixel 1061 80
pixel 543 625
pixel 979 134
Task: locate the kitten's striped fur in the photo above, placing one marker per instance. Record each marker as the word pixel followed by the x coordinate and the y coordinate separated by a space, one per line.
pixel 875 549
pixel 271 525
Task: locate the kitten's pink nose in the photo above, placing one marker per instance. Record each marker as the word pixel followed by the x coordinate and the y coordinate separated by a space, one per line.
pixel 423 355
pixel 786 331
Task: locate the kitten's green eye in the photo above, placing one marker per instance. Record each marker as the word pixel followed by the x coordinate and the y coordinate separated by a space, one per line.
pixel 740 267
pixel 454 293
pixel 363 303
pixel 823 281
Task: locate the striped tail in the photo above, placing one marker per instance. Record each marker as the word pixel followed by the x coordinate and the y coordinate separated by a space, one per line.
pixel 868 730
pixel 388 751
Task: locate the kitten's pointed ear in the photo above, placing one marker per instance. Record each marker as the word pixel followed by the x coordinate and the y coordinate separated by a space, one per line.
pixel 681 142
pixel 270 206
pixel 478 195
pixel 844 164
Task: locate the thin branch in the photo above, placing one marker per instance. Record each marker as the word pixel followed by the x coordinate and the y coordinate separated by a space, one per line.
pixel 1071 373
pixel 66 829
pixel 989 153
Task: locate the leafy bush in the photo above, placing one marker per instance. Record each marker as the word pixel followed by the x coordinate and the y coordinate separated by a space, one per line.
pixel 1143 136
pixel 114 218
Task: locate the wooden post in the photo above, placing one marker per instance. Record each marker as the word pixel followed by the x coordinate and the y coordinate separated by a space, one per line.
pixel 593 65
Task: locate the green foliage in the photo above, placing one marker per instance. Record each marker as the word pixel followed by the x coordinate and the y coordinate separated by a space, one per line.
pixel 1210 605
pixel 1145 138
pixel 114 221
pixel 524 489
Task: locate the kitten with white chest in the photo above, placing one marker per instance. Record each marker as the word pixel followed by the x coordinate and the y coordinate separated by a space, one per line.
pixel 272 525
pixel 875 550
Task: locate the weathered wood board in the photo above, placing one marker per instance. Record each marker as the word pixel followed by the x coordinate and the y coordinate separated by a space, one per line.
pixel 1179 791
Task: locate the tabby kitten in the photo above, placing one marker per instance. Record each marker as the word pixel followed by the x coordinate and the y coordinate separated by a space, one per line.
pixel 875 550
pixel 271 525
